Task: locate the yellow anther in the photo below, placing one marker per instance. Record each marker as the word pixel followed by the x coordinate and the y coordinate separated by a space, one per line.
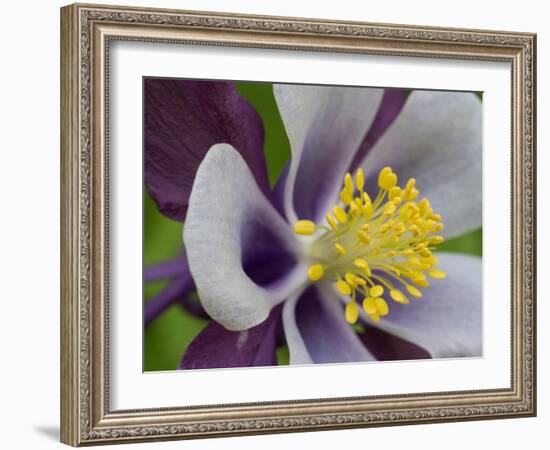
pixel 414 230
pixel 348 183
pixel 362 264
pixel 340 249
pixel 385 171
pixel 398 296
pixel 424 204
pixel 343 287
pixel 352 312
pixel 363 237
pixel 353 207
pixel 360 281
pixel 366 199
pixel 414 261
pixel 413 194
pixel 351 279
pixel 436 217
pixel 367 271
pixel 315 272
pixel 437 273
pixel 413 291
pixel 346 196
pixel 410 184
pixel 331 222
pixel 387 179
pixel 382 307
pixel 415 275
pixel 421 283
pixel 304 227
pixel 369 306
pixel 432 260
pixel 384 227
pixel 394 192
pixel 390 181
pixel 374 317
pixel 399 229
pixel 436 240
pixel 360 179
pixel 425 252
pixel 367 209
pixel 389 209
pixel 376 291
pixel 340 214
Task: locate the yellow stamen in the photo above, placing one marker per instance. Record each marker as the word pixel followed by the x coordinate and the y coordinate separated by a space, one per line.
pixel 343 287
pixel 340 215
pixel 352 312
pixel 346 196
pixel 379 248
pixel 348 183
pixel 351 279
pixel 376 291
pixel 374 317
pixel 382 307
pixel 360 179
pixel 363 237
pixel 340 249
pixel 315 272
pixel 369 305
pixel 438 274
pixel 331 222
pixel 398 297
pixel 304 227
pixel 413 291
pixel 387 179
pixel 394 192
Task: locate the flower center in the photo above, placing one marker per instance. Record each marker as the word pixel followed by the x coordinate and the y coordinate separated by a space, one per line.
pixel 373 249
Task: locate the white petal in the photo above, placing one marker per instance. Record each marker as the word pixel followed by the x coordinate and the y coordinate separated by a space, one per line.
pixel 325 126
pixel 437 139
pixel 447 320
pixel 225 203
pixel 297 350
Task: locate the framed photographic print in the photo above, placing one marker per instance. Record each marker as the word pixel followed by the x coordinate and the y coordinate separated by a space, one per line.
pixel 276 225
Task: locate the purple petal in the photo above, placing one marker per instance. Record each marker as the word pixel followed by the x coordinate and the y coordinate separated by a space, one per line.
pixel 174 292
pixel 182 120
pixel 216 347
pixel 388 347
pixel 447 320
pixel 167 269
pixel 392 103
pixel 325 127
pixel 324 330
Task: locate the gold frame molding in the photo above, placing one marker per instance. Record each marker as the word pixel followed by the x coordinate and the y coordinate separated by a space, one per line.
pixel 86 31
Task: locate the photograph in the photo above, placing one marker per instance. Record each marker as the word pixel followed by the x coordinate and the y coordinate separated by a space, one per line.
pixel 293 224
pixel 280 224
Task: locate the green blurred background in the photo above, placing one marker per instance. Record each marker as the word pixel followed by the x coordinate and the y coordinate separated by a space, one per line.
pixel 167 338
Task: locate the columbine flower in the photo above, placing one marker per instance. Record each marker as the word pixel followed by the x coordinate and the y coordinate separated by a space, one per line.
pixel 340 239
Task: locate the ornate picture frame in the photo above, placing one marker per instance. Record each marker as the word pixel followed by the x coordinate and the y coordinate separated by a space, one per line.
pixel 87 31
